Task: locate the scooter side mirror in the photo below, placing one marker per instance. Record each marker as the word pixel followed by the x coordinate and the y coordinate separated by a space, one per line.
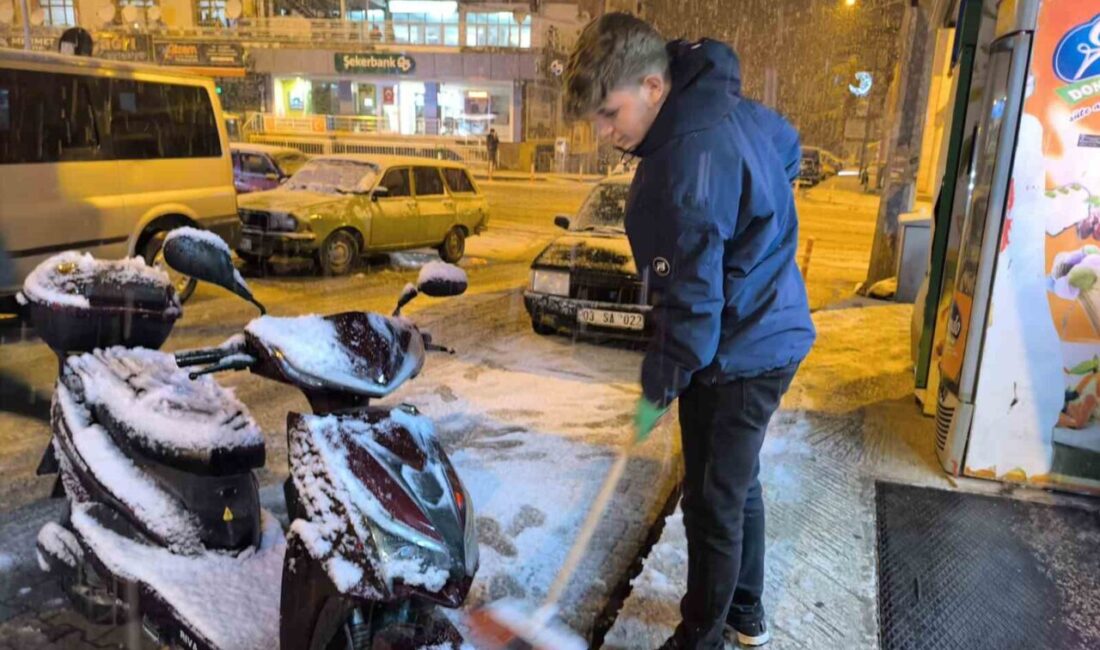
pixel 204 256
pixel 442 280
pixel 407 296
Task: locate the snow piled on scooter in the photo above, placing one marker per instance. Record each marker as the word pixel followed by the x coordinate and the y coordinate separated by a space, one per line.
pixel 62 279
pixel 325 455
pixel 231 600
pixel 160 403
pixel 312 346
pixel 160 511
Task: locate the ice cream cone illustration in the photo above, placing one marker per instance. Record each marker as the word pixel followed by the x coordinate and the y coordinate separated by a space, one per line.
pixel 1075 277
pixel 1084 280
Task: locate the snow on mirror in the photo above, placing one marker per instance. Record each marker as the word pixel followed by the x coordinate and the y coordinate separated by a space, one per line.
pixel 442 280
pixel 205 256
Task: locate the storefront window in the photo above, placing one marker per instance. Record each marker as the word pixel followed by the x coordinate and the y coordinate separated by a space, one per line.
pixel 497 29
pixel 325 98
pixel 471 110
pixel 59 12
pixel 366 102
pixel 460 109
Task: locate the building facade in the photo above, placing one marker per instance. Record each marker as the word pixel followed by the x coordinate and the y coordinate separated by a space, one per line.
pixel 431 68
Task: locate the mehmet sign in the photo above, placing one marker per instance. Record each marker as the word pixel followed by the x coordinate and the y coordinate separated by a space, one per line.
pixel 388 63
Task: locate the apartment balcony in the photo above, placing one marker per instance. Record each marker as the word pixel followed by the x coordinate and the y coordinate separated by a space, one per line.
pixel 468 31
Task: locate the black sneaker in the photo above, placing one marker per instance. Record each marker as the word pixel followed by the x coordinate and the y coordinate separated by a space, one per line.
pixel 748 624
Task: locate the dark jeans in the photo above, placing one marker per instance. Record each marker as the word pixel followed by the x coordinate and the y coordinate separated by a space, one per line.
pixel 722 427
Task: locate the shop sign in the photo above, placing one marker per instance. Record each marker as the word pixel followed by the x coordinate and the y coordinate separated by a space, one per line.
pixel 388 97
pixel 123 47
pixel 375 63
pixel 38 43
pixel 200 55
pixel 1077 62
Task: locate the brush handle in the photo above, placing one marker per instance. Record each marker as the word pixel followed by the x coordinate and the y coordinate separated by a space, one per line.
pixel 595 513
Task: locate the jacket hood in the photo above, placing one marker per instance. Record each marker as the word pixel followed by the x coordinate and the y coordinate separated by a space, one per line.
pixel 706 86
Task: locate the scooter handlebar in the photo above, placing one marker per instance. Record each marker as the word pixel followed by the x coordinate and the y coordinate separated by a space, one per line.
pixel 201 357
pixel 432 347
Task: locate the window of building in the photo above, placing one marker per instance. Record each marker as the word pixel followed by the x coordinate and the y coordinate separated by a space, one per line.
pixel 211 12
pixel 60 13
pixel 426 29
pixel 375 19
pixel 497 29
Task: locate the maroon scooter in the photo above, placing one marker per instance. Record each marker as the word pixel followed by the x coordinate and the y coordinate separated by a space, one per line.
pixel 165 526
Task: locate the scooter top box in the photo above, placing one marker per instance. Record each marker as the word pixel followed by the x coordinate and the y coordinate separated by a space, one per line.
pixel 77 303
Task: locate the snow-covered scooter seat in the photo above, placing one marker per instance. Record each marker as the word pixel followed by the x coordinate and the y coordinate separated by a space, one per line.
pixel 150 405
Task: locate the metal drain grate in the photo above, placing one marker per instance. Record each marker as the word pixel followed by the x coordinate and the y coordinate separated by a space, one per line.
pixel 965 571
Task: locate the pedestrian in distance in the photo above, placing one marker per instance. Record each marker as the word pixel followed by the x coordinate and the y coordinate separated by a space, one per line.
pixel 712 224
pixel 492 144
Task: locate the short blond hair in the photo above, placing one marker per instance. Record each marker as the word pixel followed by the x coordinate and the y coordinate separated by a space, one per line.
pixel 614 50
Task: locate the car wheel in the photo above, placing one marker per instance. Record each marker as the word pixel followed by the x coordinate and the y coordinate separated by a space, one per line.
pixel 154 256
pixel 339 253
pixel 542 330
pixel 453 247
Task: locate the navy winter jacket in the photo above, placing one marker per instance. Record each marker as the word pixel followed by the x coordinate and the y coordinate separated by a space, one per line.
pixel 712 224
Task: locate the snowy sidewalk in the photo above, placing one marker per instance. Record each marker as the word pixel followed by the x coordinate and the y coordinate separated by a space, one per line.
pixel 848 420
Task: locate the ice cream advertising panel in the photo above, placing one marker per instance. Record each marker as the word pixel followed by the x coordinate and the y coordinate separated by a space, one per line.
pixel 1037 403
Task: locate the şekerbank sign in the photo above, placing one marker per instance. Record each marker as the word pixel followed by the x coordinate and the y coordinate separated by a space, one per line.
pixel 387 63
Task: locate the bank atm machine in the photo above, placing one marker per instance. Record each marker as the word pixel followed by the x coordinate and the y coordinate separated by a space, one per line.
pixel 1019 396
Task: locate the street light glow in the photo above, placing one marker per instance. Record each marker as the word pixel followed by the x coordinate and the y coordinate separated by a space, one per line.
pixel 850 3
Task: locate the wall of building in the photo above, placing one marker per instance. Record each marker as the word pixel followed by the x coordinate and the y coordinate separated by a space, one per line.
pixel 938 118
pixel 178 13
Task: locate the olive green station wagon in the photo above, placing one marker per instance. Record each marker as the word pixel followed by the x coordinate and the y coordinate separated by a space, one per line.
pixel 336 208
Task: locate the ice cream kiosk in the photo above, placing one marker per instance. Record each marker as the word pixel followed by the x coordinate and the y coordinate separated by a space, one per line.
pixel 1019 397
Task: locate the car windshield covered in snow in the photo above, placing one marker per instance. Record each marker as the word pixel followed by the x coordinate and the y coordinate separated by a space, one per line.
pixel 604 209
pixel 334 177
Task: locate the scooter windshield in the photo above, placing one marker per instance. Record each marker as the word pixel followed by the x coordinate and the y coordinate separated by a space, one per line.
pixel 354 352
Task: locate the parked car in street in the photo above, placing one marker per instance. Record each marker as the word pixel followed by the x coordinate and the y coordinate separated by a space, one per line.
pixel 809 173
pixel 586 282
pixel 107 157
pixel 258 167
pixel 338 207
